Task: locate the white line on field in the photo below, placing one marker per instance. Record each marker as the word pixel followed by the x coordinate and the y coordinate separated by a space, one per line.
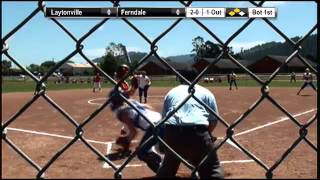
pixel 232 144
pixel 91 101
pixel 237 161
pixel 222 162
pixel 265 125
pixel 53 135
pixel 109 147
pixel 60 136
pixel 109 143
pixel 101 142
pixel 274 122
pixel 107 166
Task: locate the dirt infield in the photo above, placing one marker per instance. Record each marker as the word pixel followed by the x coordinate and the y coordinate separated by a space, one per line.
pixel 267 133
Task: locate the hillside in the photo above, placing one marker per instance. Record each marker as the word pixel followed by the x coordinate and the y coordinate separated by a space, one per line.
pixel 309 49
pixel 178 62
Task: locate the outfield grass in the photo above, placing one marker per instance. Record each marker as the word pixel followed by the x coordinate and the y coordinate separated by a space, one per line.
pixel 29 86
pixel 18 86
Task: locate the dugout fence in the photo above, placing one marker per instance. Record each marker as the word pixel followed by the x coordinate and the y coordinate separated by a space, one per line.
pixel 40 92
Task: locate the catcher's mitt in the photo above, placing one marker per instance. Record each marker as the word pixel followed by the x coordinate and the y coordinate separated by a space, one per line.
pixel 124 142
pixel 134 82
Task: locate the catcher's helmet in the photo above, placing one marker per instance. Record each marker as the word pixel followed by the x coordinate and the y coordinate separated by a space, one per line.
pixel 122 70
pixel 307 69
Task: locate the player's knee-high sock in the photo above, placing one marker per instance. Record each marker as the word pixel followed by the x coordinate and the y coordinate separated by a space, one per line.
pixel 313 87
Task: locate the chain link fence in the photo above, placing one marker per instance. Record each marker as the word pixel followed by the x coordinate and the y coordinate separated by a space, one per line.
pixel 40 91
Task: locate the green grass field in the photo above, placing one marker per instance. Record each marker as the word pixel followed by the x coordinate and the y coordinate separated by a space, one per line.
pixel 29 86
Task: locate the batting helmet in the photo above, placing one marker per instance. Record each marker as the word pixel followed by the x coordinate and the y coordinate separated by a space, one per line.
pixel 122 70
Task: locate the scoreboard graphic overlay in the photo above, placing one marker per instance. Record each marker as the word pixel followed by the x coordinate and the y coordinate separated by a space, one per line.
pixel 151 12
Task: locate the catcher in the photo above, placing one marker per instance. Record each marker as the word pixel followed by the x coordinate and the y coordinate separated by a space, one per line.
pixel 133 121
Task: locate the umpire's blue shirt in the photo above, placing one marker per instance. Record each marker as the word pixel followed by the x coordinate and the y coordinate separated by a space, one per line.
pixel 191 113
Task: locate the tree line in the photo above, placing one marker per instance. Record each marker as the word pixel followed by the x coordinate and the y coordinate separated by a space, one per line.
pixel 202 48
pixel 116 54
pixel 309 49
pixel 33 68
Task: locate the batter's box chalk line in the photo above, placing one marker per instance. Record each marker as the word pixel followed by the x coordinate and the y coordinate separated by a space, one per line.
pixel 105 165
pixel 109 143
pixel 94 100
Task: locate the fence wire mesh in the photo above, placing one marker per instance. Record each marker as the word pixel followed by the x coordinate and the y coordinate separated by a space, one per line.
pixel 40 91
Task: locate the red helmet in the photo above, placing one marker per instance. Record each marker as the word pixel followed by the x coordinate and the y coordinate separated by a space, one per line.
pixel 122 70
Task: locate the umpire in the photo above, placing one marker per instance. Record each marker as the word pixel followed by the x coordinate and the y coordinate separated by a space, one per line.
pixel 188 131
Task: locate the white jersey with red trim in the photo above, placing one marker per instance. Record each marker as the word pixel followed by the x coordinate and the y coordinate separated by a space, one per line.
pixel 233 76
pixel 307 77
pixel 143 81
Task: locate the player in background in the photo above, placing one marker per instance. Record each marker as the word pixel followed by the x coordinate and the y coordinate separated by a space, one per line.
pixel 39 76
pixel 308 78
pixel 144 84
pixel 228 78
pixel 96 83
pixel 233 79
pixel 292 77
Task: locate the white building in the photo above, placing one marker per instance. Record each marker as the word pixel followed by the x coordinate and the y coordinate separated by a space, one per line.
pixel 76 68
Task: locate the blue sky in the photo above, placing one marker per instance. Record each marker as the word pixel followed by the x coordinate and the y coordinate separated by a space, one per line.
pixel 41 39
